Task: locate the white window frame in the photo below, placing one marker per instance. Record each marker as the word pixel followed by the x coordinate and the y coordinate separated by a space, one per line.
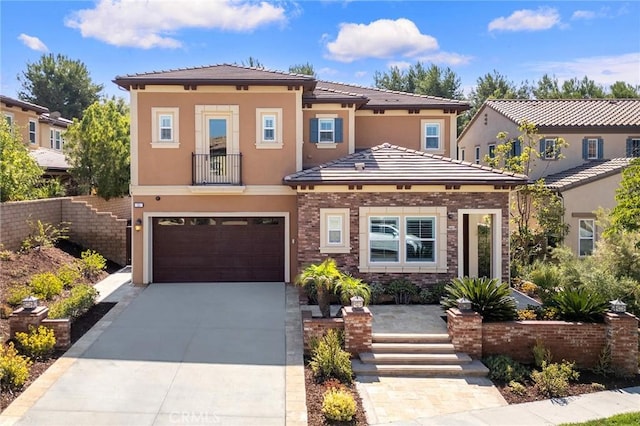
pixel 423 134
pixel 635 151
pixel 332 131
pixel 491 150
pixel 162 127
pixel 438 265
pixel 33 140
pixel 261 115
pixel 326 215
pixel 591 141
pixel 592 238
pixel 9 118
pixel 156 129
pixel 462 154
pixel 55 139
pixel 477 154
pixel 550 155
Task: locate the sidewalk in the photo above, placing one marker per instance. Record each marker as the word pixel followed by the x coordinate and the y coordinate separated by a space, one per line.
pixel 549 412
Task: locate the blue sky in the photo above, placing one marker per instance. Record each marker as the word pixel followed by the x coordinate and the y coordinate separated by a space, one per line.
pixel 346 41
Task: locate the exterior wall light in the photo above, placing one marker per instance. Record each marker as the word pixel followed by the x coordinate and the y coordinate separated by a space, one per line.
pixel 138 225
pixel 357 302
pixel 464 304
pixel 30 303
pixel 618 306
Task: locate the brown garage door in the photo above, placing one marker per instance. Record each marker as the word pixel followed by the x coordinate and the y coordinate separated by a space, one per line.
pixel 218 249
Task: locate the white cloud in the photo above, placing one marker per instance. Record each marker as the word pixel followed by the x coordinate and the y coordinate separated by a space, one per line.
pixel 153 23
pixel 583 14
pixel 327 71
pixel 360 74
pixel 33 43
pixel 604 70
pixel 527 20
pixel 446 58
pixel 401 65
pixel 383 38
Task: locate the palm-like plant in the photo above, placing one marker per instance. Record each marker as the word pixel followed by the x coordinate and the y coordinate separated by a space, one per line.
pixel 324 276
pixel 350 286
pixel 489 297
pixel 579 304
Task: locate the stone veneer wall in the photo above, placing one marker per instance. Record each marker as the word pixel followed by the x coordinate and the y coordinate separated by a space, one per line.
pixel 93 229
pixel 355 323
pixel 309 205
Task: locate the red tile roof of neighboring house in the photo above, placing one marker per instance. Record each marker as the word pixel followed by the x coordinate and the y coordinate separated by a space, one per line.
pixel 388 164
pixel 23 104
pixel 585 173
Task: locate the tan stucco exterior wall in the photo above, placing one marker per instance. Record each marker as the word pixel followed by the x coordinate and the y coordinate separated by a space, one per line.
pixel 20 120
pixel 314 154
pixel 582 201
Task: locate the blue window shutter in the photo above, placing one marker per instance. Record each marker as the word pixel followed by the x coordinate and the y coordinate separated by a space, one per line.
pixel 338 130
pixel 313 130
pixel 600 148
pixel 542 148
pixel 585 149
pixel 557 149
pixel 629 147
pixel 518 148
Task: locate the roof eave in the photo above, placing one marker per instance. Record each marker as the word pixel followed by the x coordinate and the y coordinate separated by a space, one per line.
pixel 126 83
pixel 350 182
pixel 400 106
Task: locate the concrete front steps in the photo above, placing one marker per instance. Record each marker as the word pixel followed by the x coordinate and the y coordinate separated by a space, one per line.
pixel 419 355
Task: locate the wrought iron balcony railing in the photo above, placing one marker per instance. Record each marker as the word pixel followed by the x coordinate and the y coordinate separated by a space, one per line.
pixel 217 169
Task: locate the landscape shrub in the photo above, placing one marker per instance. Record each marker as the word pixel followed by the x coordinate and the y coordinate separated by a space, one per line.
pixel 38 343
pixel 579 304
pixel 69 275
pixel 489 297
pixel 541 354
pixel 377 290
pixel 338 405
pixel 553 379
pixel 46 285
pixel 504 369
pixel 6 255
pixel 603 367
pixel 5 311
pixel 402 290
pixel 91 264
pixel 529 288
pixel 82 298
pixel 14 368
pixel 517 388
pixel 548 280
pixel 329 360
pixel 433 294
pixel 527 314
pixel 16 293
pixel 44 234
pixel 349 286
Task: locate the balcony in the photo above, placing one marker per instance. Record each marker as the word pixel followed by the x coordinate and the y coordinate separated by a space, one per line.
pixel 218 169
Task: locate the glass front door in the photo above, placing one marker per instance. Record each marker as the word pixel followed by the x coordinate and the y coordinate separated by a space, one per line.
pixel 218 146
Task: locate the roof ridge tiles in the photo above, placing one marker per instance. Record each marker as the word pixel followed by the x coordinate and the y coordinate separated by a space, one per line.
pixel 395 92
pixel 201 67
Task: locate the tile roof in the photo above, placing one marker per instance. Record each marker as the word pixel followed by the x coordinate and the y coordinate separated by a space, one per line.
pixel 390 164
pixel 390 99
pixel 570 112
pixel 23 104
pixel 223 74
pixel 585 173
pixel 326 95
pixel 50 159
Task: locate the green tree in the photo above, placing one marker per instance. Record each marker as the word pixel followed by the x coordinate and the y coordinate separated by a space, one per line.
pixel 582 89
pixel 536 211
pixel 622 90
pixel 98 150
pixel 60 84
pixel 305 69
pixel 394 79
pixel 432 81
pixel 625 216
pixel 547 88
pixel 252 63
pixel 20 174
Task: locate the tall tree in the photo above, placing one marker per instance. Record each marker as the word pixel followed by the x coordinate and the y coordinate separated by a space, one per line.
pixel 394 79
pixel 19 172
pixel 305 69
pixel 60 84
pixel 97 148
pixel 432 81
pixel 252 63
pixel 547 88
pixel 582 89
pixel 622 90
pixel 626 214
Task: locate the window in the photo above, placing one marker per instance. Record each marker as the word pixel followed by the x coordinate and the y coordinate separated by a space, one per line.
pixel 549 149
pixel 387 243
pixel 55 139
pixel 420 239
pixel 268 128
pixel 516 148
pixel 8 118
pixel 432 136
pixel 586 237
pixel 384 239
pixel 477 156
pixel 462 154
pixel 32 132
pixel 492 150
pixel 165 130
pixel 326 130
pixel 592 148
pixel 633 147
pixel 334 231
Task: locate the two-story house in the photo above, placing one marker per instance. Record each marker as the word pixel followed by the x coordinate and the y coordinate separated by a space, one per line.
pixel 601 134
pixel 41 131
pixel 244 174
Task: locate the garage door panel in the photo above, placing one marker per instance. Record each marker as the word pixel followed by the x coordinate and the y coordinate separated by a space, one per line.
pixel 218 249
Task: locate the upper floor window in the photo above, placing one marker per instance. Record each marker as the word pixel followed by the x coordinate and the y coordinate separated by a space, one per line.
pixel 586 237
pixel 592 148
pixel 633 147
pixel 32 132
pixel 492 150
pixel 326 130
pixel 549 149
pixel 165 132
pixel 477 155
pixel 516 148
pixel 462 154
pixel 268 128
pixel 55 139
pixel 8 118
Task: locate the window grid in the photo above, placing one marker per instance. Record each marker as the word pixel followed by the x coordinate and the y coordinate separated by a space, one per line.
pixel 586 237
pixel 55 139
pixel 414 243
pixel 326 130
pixel 592 149
pixel 32 132
pixel 432 135
pixel 492 151
pixel 166 127
pixel 334 230
pixel 549 149
pixel 268 128
pixel 635 148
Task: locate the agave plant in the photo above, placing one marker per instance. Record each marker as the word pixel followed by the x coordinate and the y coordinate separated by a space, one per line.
pixel 350 286
pixel 489 297
pixel 324 277
pixel 579 304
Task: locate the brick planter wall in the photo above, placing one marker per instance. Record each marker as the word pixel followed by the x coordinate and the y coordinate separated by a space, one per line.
pixel 61 329
pixel 314 328
pixel 579 342
pixel 309 205
pixel 357 330
pixel 21 320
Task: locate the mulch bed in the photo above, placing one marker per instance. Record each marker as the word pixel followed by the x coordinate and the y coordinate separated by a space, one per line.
pixel 315 392
pixel 582 386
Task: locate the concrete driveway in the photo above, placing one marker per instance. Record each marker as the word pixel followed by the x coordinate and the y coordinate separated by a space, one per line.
pixel 179 354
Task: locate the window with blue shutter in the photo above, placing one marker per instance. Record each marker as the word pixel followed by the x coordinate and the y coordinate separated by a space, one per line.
pixel 338 125
pixel 549 149
pixel 633 147
pixel 592 148
pixel 326 130
pixel 313 130
pixel 600 148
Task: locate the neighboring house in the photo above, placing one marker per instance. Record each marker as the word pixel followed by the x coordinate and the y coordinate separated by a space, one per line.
pixel 584 189
pixel 244 174
pixel 41 131
pixel 596 130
